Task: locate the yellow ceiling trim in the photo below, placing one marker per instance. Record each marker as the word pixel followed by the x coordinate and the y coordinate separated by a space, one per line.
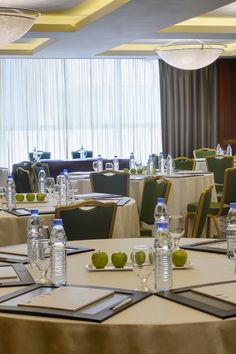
pixel 73 19
pixel 207 24
pixel 25 48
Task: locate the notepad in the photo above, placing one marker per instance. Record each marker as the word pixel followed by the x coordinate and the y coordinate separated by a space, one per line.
pixel 68 298
pixel 7 273
pixel 224 292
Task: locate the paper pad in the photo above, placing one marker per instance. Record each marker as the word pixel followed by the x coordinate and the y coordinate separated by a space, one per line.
pixel 225 292
pixel 68 298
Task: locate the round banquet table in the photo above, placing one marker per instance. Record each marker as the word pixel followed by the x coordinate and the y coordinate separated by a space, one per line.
pixel 154 325
pixel 184 190
pixel 13 229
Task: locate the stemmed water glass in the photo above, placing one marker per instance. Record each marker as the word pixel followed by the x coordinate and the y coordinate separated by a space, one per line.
pixel 176 228
pixel 142 264
pixel 50 182
pixel 42 250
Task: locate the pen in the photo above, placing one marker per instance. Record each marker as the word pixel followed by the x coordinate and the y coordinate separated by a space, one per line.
pixel 122 303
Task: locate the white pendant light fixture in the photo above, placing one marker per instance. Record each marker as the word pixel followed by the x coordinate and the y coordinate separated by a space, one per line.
pixel 190 56
pixel 14 23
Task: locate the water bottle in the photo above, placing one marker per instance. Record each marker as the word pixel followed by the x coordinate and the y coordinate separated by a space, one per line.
pixel 131 161
pixel 100 163
pixel 229 150
pixel 35 154
pixel 34 231
pixel 231 231
pixel 150 166
pixel 62 189
pixel 67 189
pixel 218 149
pixel 58 267
pixel 42 181
pixel 10 193
pixel 161 163
pixel 160 213
pixel 163 246
pixel 116 163
pixel 169 165
pixel 83 153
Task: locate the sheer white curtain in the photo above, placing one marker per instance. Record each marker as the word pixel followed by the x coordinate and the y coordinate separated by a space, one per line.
pixel 109 106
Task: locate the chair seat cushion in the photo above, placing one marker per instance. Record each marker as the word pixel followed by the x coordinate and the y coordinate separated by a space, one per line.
pixel 213 209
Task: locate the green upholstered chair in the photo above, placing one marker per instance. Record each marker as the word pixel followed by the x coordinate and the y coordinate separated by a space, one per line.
pixel 203 152
pixel 43 155
pixel 217 209
pixel 155 160
pixel 24 180
pixel 76 154
pixel 218 164
pixel 109 181
pixel 200 216
pixel 90 219
pixel 184 163
pixel 154 187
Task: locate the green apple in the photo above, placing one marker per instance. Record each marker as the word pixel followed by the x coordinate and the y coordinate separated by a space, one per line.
pixel 20 197
pixel 154 171
pixel 140 257
pixel 119 259
pixel 179 257
pixel 30 197
pixel 126 170
pixel 132 171
pixel 139 171
pixel 40 196
pixel 99 259
pixel 151 258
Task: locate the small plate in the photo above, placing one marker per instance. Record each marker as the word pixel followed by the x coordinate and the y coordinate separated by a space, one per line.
pixel 187 265
pixel 108 268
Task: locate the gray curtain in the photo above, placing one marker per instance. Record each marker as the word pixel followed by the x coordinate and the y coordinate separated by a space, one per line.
pixel 188 109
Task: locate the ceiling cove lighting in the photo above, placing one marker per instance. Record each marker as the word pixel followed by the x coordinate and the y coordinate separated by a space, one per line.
pixel 190 56
pixel 14 23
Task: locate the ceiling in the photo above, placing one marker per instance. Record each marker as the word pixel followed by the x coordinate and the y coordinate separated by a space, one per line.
pixel 121 28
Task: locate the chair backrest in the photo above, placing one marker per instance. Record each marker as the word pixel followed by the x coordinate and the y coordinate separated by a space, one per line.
pixel 229 188
pixel 203 152
pixel 184 163
pixel 46 155
pixel 154 187
pixel 218 164
pixel 88 219
pixel 109 181
pixel 76 154
pixel 201 212
pixel 24 181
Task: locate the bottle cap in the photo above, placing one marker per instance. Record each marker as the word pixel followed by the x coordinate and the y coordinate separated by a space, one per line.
pixel 9 177
pixel 34 212
pixel 160 200
pixel 162 225
pixel 61 173
pixel 65 170
pixel 57 222
pixel 232 205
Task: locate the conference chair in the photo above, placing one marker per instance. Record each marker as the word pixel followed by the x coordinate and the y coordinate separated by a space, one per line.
pixel 218 164
pixel 217 209
pixel 203 152
pixel 155 160
pixel 24 181
pixel 184 163
pixel 41 155
pixel 200 217
pixel 88 219
pixel 76 154
pixel 154 187
pixel 110 181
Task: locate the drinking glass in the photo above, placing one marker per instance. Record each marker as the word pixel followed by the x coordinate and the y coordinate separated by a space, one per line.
pixel 56 193
pixel 42 250
pixel 95 165
pixel 142 263
pixel 176 228
pixel 109 166
pixel 50 182
pixel 2 198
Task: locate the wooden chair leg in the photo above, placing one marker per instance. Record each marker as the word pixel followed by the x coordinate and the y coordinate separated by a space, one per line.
pixel 217 226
